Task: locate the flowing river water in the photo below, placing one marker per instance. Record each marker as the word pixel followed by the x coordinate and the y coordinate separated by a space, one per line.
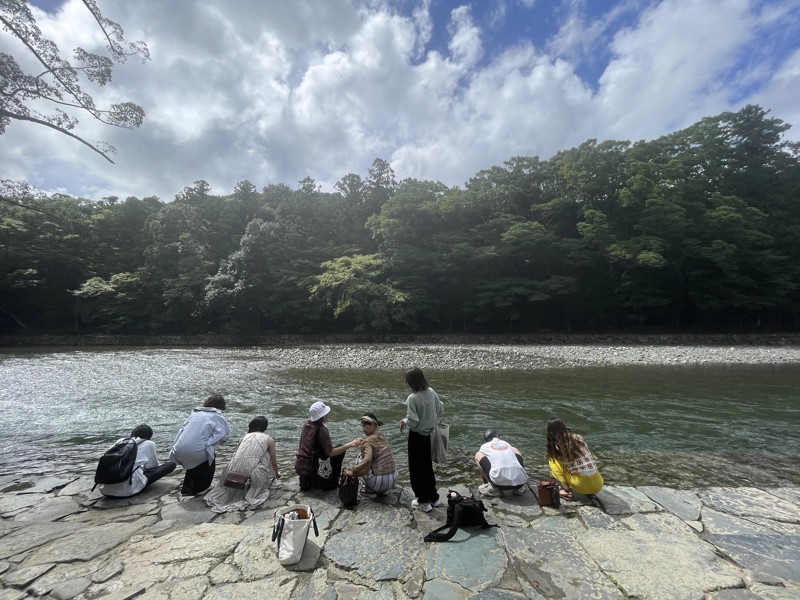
pixel 681 426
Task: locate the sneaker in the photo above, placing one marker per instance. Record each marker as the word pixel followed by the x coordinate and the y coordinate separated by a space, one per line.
pixel 424 506
pixel 518 491
pixel 437 504
pixel 487 489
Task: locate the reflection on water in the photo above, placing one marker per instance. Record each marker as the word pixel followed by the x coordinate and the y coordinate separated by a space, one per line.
pixel 680 426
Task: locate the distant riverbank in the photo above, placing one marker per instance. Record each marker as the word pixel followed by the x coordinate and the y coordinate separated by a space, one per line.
pixel 468 352
pixel 280 339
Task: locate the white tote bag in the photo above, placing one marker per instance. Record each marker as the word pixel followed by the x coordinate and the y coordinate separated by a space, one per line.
pixel 291 531
pixel 440 438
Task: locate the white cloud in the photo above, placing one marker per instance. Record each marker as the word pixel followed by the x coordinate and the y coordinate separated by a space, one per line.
pixel 272 91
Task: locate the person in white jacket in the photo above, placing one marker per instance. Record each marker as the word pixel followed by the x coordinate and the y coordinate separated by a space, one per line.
pixel 195 445
pixel 146 469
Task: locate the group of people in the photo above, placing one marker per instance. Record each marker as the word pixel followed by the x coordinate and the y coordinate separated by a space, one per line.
pixel 319 463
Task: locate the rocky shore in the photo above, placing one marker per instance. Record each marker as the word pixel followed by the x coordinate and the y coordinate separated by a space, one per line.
pixel 60 540
pixel 524 357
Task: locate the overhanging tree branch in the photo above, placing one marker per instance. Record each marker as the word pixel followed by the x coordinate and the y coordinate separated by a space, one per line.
pixel 10 115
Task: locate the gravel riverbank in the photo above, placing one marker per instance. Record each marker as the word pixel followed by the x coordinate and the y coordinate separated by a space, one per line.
pixel 523 357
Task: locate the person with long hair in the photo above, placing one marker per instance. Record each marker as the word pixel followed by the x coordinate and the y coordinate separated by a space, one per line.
pixel 423 411
pixel 255 457
pixel 571 462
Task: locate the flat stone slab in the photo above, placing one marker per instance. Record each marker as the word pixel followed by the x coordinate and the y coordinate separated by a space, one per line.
pixel 51 509
pixel 777 555
pixel 751 502
pixel 193 510
pixel 473 558
pixel 658 524
pixel 720 523
pixel 666 566
pixel 33 536
pixel 11 504
pixel 375 553
pixel 87 543
pixel 45 485
pixel 556 565
pixel 682 503
pixel 625 501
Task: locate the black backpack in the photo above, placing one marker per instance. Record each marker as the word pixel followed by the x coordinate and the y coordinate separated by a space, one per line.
pixel 462 511
pixel 116 465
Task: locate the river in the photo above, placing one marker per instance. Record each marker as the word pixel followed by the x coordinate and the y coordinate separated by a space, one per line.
pixel 681 426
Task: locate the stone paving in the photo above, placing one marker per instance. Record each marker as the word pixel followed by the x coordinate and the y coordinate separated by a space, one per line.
pixel 60 540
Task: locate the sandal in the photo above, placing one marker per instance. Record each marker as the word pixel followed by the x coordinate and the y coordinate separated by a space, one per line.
pixel 566 495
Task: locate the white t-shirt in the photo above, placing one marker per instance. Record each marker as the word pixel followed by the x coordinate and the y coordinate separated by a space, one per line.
pixel 145 459
pixel 506 469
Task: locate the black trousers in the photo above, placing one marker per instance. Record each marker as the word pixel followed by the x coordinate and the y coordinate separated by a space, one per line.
pixel 158 472
pixel 420 468
pixel 315 482
pixel 198 479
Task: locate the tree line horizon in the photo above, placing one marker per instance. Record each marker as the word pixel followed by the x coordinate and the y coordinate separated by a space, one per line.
pixel 695 231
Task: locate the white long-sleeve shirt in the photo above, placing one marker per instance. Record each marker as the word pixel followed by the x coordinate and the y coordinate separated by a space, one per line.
pixel 145 459
pixel 202 431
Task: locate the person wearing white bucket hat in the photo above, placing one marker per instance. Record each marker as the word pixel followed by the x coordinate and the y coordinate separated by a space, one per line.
pixel 316 447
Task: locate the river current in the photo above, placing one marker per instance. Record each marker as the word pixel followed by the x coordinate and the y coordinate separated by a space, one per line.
pixel 682 426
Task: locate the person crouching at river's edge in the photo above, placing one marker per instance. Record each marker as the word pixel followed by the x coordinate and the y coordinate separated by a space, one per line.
pixel 376 467
pixel 318 463
pixel 196 442
pixel 501 467
pixel 571 462
pixel 146 469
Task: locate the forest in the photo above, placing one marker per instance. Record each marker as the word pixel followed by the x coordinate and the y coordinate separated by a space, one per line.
pixel 696 231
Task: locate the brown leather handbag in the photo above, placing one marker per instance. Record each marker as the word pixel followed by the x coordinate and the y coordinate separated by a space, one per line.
pixel 547 493
pixel 236 480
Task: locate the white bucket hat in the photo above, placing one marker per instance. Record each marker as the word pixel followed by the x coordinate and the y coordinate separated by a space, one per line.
pixel 318 410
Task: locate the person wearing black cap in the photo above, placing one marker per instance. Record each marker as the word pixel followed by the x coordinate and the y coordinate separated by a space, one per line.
pixel 501 466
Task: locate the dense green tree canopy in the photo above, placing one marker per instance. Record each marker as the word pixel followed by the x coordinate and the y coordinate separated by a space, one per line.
pixel 697 230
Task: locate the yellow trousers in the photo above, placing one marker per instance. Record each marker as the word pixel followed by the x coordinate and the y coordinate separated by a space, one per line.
pixel 583 484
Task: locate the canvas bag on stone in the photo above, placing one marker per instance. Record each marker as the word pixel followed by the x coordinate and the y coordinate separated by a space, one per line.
pixel 291 527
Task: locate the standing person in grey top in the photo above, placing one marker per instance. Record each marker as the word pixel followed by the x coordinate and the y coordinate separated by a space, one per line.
pixel 423 410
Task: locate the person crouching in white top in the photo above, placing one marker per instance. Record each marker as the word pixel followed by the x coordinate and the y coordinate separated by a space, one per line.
pixel 146 469
pixel 501 467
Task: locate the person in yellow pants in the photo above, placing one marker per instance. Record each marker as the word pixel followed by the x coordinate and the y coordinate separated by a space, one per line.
pixel 571 462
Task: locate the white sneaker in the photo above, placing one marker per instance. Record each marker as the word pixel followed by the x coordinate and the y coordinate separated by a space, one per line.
pixel 437 504
pixel 487 489
pixel 424 507
pixel 518 491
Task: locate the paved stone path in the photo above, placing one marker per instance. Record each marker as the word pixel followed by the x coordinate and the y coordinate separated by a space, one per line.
pixel 60 540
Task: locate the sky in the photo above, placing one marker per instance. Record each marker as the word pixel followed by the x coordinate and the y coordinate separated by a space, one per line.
pixel 272 91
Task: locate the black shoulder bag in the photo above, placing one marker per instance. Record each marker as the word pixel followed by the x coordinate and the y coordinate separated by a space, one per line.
pixel 462 511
